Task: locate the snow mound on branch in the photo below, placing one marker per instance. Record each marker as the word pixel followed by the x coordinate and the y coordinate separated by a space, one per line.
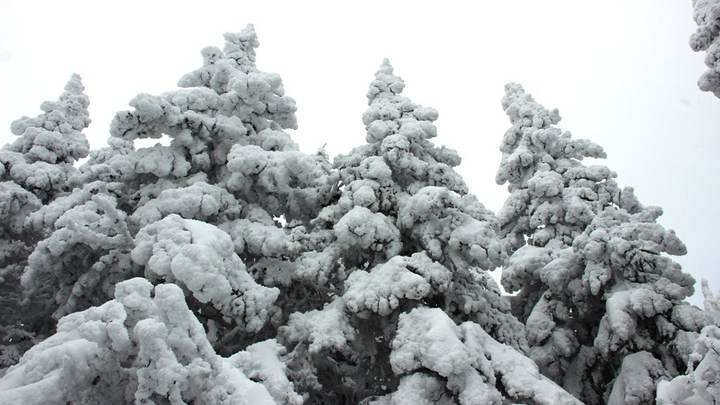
pixel 323 329
pixel 199 201
pixel 265 362
pixel 381 289
pixel 417 389
pixel 635 384
pixel 701 384
pixel 16 205
pixel 364 230
pixel 153 344
pixel 200 258
pixel 473 363
pixel 450 225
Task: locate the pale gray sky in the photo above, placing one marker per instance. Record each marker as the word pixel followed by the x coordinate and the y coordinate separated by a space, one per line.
pixel 621 72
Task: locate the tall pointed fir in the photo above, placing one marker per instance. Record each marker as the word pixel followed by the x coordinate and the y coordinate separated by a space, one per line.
pixel 585 250
pixel 34 170
pixel 403 260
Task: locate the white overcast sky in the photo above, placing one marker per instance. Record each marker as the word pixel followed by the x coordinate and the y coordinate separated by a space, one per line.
pixel 621 72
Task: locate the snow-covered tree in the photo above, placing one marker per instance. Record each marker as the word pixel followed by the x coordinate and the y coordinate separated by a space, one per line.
pixel 585 250
pixel 41 158
pixel 553 198
pixel 34 170
pixel 707 38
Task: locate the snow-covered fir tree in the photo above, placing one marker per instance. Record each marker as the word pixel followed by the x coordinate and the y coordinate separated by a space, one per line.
pixel 34 169
pixel 603 307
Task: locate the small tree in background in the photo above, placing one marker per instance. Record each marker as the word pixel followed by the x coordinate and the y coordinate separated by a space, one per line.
pixel 707 38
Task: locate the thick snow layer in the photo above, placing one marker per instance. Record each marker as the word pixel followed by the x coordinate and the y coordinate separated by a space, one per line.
pixel 701 384
pixel 450 225
pixel 200 257
pixel 264 362
pixel 381 289
pixel 82 235
pixel 289 183
pixel 364 230
pixel 200 201
pixel 137 347
pixel 639 374
pixel 323 329
pixel 473 363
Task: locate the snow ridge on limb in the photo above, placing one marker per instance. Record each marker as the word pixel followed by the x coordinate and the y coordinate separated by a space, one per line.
pixel 199 201
pixel 475 367
pixel 707 38
pixel 381 289
pixel 144 345
pixel 200 258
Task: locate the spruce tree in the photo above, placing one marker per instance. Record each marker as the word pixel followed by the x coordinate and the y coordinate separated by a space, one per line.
pixel 585 250
pixel 34 170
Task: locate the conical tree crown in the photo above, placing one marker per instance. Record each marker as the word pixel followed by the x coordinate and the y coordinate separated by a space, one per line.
pixel 55 136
